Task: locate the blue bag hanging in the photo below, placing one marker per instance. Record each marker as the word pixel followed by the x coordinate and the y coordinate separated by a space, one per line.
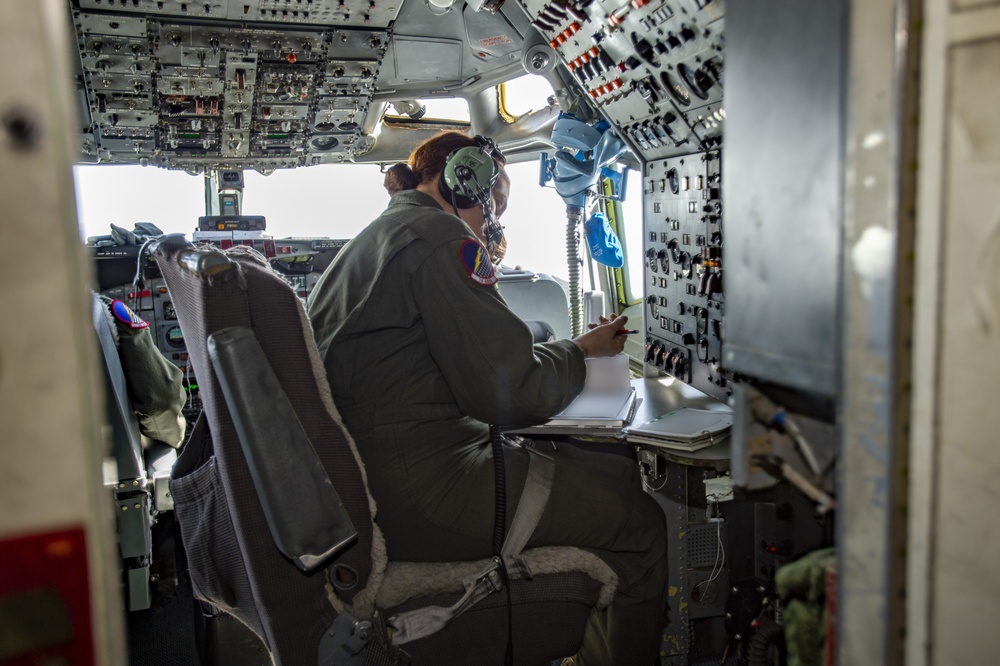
pixel 604 245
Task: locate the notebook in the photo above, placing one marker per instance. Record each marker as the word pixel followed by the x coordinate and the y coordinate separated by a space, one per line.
pixel 607 401
pixel 685 429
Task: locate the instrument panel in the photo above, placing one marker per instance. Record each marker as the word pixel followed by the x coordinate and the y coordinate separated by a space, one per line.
pixel 172 84
pixel 682 249
pixel 654 70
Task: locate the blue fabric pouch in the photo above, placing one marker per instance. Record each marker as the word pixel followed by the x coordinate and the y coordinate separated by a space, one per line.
pixel 604 246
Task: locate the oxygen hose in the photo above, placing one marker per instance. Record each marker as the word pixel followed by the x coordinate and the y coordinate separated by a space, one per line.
pixel 574 217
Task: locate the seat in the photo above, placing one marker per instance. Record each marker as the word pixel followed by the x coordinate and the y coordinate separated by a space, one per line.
pixel 139 471
pixel 270 447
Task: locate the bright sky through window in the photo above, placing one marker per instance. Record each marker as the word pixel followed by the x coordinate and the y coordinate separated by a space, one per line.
pixel 526 93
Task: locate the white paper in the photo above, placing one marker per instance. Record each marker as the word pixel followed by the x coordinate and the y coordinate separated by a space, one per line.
pixel 607 374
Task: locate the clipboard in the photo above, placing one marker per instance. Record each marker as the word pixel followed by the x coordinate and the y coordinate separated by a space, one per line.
pixel 684 429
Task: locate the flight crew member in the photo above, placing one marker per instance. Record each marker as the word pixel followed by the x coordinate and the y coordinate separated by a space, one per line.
pixel 422 352
pixel 155 385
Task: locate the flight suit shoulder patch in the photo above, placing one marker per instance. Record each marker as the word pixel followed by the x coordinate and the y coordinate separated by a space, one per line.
pixel 476 262
pixel 124 314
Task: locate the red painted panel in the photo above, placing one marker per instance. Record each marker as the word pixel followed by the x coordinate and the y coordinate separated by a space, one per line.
pixel 44 586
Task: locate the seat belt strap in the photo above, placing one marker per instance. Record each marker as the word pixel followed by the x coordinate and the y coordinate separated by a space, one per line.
pixel 531 506
pixel 422 622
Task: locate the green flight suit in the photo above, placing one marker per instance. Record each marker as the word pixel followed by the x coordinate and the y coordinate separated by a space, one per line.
pixel 155 385
pixel 421 353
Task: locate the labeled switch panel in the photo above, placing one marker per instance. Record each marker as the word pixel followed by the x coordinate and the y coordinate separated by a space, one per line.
pixel 653 69
pixel 684 301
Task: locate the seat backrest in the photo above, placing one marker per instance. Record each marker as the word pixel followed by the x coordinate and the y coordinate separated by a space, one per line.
pixel 126 447
pixel 233 560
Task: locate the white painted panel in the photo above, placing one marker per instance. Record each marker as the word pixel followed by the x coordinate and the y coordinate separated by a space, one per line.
pixel 967 530
pixel 50 472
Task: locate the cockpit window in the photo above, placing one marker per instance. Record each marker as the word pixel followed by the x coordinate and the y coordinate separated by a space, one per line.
pixel 452 109
pixel 333 200
pixel 523 94
pixel 534 223
pixel 125 194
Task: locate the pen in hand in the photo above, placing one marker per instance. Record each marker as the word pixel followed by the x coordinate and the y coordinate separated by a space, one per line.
pixel 625 331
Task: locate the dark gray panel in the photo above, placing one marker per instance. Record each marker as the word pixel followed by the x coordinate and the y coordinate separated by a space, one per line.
pixel 783 162
pixel 684 301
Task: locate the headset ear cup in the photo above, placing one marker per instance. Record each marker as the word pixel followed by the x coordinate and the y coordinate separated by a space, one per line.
pixel 449 194
pixel 468 175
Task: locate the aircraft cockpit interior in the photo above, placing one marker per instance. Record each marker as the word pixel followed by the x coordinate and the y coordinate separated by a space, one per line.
pixel 741 180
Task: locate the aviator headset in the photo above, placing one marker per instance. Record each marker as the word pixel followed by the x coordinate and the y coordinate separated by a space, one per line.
pixel 466 181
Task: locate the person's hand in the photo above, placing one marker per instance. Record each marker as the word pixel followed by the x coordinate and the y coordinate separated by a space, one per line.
pixel 603 339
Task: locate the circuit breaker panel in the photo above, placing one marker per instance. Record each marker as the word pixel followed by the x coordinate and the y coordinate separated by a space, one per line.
pixel 170 84
pixel 684 302
pixel 653 69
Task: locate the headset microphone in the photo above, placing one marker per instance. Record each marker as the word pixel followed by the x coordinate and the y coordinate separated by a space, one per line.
pixel 492 232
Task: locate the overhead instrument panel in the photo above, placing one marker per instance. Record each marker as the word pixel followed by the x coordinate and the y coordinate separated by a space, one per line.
pixel 654 69
pixel 367 13
pixel 170 84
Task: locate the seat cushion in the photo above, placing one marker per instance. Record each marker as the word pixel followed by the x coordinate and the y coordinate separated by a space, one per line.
pixel 406 580
pixel 550 613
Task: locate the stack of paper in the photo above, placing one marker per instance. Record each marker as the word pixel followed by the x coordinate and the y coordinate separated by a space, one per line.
pixel 606 403
pixel 685 429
